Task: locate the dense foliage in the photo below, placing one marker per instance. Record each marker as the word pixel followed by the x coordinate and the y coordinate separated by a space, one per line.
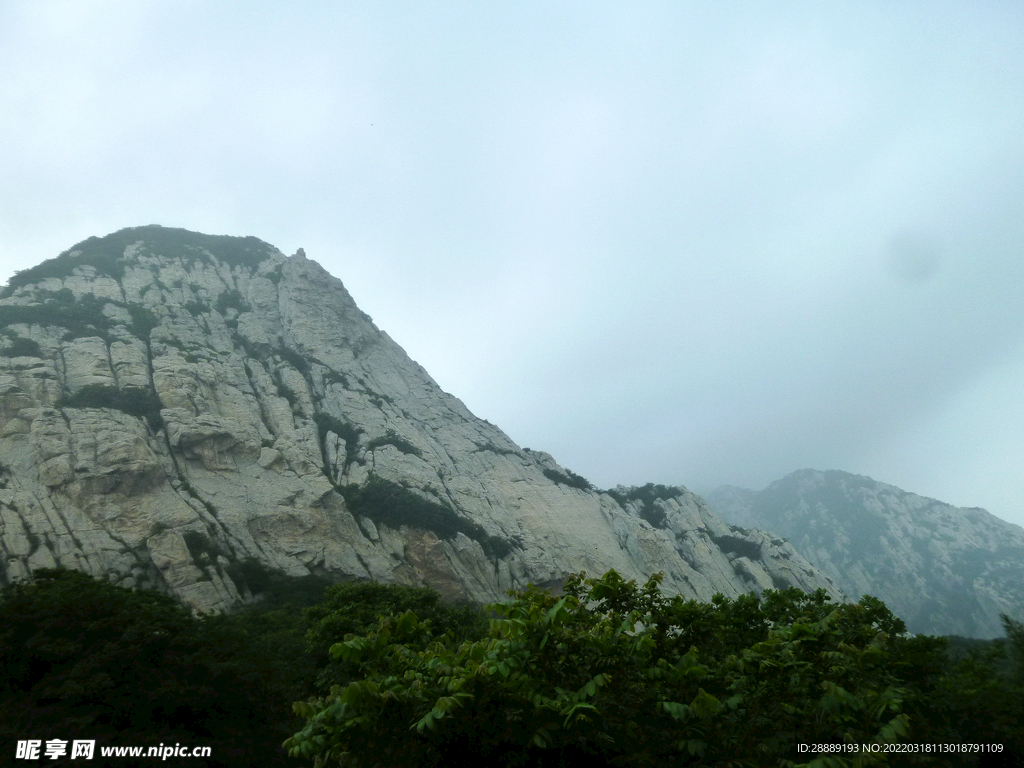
pixel 570 478
pixel 610 672
pixel 647 495
pixel 135 401
pixel 83 659
pixel 615 674
pixel 18 346
pixel 81 318
pixel 394 505
pixel 357 607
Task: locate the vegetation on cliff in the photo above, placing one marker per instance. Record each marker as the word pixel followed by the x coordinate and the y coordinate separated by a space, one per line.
pixel 135 401
pixel 107 254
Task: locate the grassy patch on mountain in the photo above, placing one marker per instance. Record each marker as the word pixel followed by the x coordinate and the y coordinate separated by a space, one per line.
pixel 393 439
pixel 647 495
pixel 81 318
pixel 231 299
pixel 19 346
pixel 106 254
pixel 135 401
pixel 570 478
pixel 393 505
pixel 325 423
pixel 143 320
pixel 741 546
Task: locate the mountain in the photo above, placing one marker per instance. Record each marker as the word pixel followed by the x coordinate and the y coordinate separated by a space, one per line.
pixel 192 413
pixel 942 569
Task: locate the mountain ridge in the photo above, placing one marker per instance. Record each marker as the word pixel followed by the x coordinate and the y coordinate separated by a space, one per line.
pixel 943 569
pixel 179 409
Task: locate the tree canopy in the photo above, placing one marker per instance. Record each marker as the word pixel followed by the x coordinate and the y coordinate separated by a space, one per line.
pixel 610 672
pixel 616 674
pixel 83 659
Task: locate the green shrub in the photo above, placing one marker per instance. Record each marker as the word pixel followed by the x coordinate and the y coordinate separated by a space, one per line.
pixel 195 307
pixel 135 401
pixel 600 675
pixel 1015 646
pixel 92 252
pixel 82 318
pixel 19 346
pixel 249 574
pixel 391 438
pixel 84 659
pixel 325 423
pixel 106 254
pixel 143 320
pixel 392 505
pixel 570 478
pixel 647 495
pixel 332 376
pixel 357 607
pixel 204 550
pixel 741 546
pixel 287 393
pixel 296 360
pixel 490 446
pixel 231 299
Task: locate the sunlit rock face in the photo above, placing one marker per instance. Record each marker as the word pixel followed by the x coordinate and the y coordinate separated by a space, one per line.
pixel 942 569
pixel 177 410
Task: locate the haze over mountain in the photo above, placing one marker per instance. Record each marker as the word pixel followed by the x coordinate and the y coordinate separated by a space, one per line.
pixel 682 240
pixel 942 569
pixel 189 412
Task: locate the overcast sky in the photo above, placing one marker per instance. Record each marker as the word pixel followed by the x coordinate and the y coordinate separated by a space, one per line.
pixel 682 242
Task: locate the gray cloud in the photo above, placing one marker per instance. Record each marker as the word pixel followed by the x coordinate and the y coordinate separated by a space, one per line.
pixel 674 243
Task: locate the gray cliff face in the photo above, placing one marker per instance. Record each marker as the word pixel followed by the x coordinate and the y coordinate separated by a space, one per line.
pixel 942 569
pixel 177 409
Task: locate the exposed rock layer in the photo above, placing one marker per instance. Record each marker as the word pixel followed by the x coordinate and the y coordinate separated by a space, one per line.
pixel 942 569
pixel 177 409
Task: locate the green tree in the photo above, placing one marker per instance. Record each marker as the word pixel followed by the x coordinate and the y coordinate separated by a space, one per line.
pixel 1015 641
pixel 972 696
pixel 607 673
pixel 82 658
pixel 356 608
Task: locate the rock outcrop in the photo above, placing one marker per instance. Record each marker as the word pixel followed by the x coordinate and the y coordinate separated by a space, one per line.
pixel 942 569
pixel 179 411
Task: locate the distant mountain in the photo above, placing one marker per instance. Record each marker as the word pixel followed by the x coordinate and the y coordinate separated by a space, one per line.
pixel 191 412
pixel 942 569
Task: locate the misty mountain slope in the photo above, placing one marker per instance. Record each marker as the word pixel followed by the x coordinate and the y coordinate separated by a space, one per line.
pixel 942 569
pixel 185 411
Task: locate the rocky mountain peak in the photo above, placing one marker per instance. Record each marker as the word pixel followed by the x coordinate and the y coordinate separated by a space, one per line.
pixel 943 569
pixel 187 412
